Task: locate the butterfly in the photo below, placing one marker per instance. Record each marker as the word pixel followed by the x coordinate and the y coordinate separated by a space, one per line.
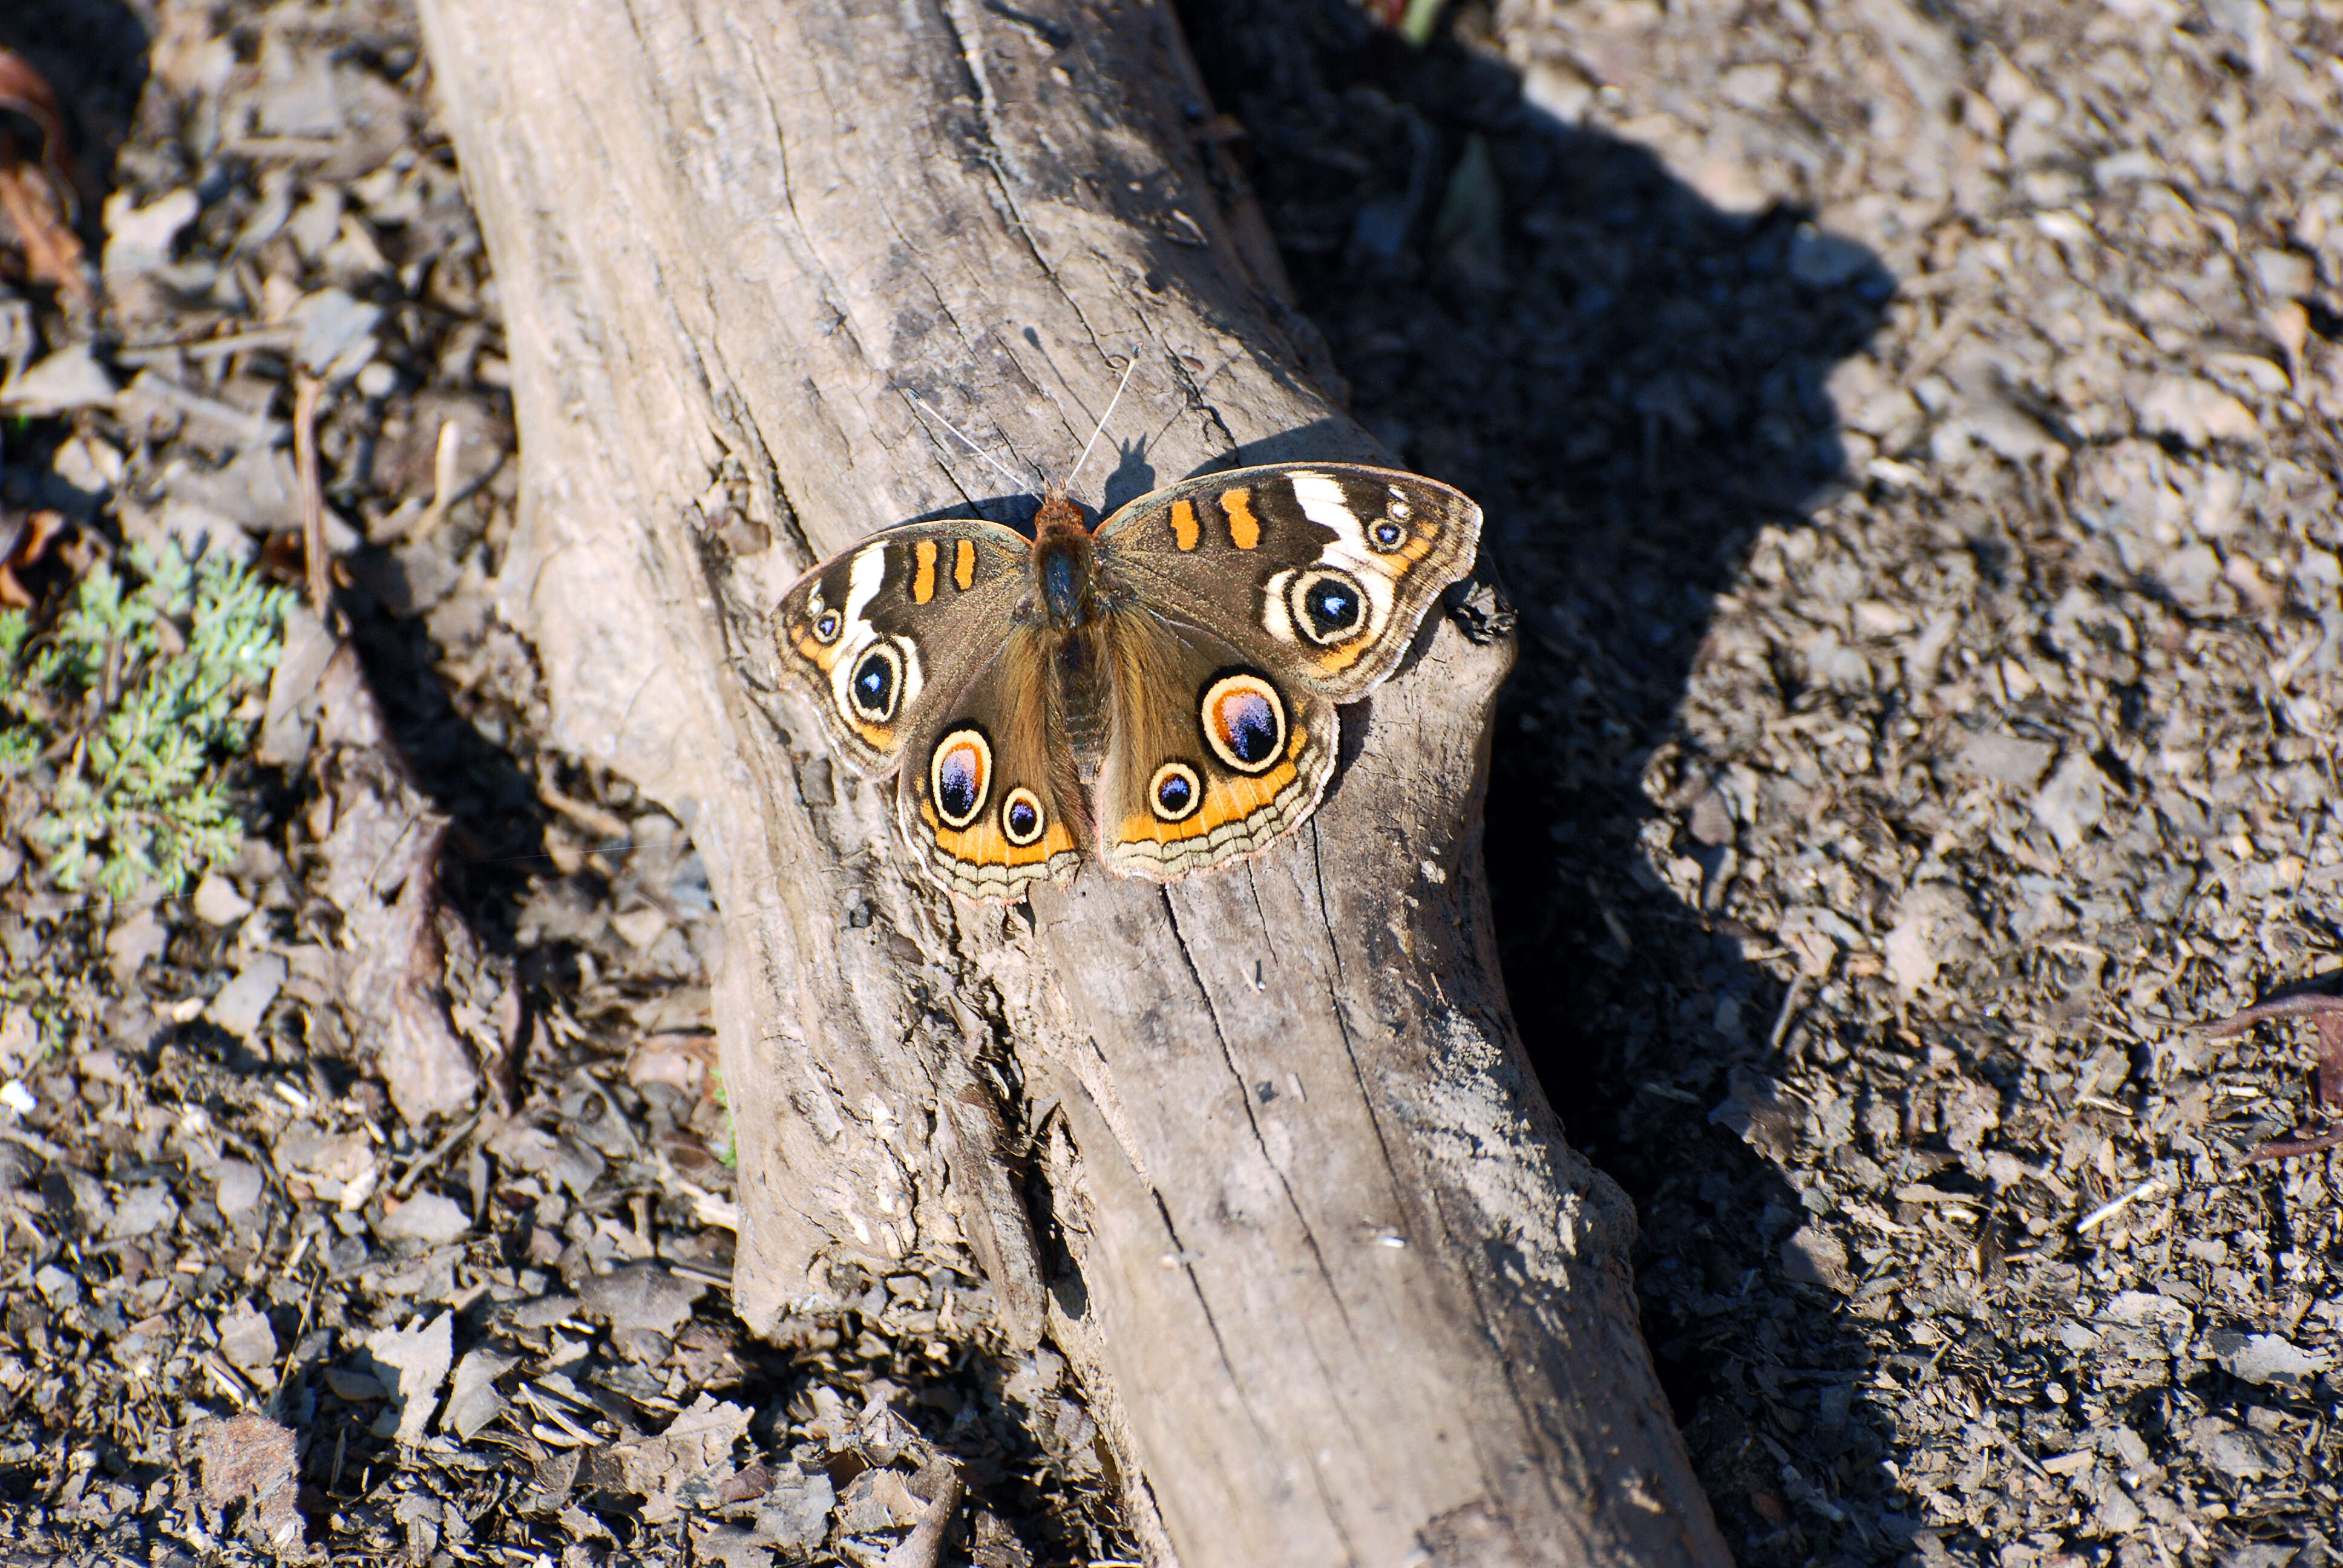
pixel 1158 693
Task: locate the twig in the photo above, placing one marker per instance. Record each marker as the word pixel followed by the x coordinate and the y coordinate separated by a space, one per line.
pixel 253 429
pixel 439 1152
pixel 924 1546
pixel 2313 999
pixel 705 1276
pixel 306 390
pixel 228 1378
pixel 36 1142
pixel 2115 1206
pixel 1789 1014
pixel 443 454
pixel 589 816
pixel 227 343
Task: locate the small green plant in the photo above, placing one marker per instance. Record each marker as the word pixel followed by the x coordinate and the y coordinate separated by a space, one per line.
pixel 729 1155
pixel 128 716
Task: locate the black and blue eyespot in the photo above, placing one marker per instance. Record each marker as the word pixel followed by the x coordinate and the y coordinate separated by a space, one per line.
pixel 959 775
pixel 877 683
pixel 1389 532
pixel 1175 793
pixel 1021 817
pixel 1328 606
pixel 1332 607
pixel 826 626
pixel 1243 720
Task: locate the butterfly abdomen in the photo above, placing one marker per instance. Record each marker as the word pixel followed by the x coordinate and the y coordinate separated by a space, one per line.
pixel 1083 698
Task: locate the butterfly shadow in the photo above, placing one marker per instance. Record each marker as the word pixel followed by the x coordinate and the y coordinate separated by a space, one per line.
pixel 1134 475
pixel 1631 383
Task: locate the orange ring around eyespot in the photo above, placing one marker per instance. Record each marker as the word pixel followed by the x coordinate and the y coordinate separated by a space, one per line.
pixel 971 740
pixel 1219 716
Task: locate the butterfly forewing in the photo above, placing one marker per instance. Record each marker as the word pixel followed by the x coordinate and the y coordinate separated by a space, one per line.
pixel 1321 571
pixel 880 633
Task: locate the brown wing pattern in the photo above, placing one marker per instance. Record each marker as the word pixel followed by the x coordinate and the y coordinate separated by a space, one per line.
pixel 1236 611
pixel 987 798
pixel 1321 570
pixel 1211 757
pixel 900 622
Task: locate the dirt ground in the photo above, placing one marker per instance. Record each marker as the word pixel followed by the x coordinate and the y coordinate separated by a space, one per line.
pixel 1907 434
pixel 1909 437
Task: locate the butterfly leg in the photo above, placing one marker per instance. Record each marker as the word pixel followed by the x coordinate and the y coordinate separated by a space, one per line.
pixel 2325 1010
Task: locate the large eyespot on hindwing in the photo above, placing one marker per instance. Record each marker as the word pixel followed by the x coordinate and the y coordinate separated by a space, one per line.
pixel 959 775
pixel 875 689
pixel 1021 817
pixel 1175 793
pixel 1243 720
pixel 1327 606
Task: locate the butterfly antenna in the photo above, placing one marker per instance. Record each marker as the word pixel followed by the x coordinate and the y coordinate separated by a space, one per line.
pixel 998 466
pixel 1119 385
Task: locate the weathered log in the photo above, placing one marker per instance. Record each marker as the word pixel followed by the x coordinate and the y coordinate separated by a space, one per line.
pixel 1337 1290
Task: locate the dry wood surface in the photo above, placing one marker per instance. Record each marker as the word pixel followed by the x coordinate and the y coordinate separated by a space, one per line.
pixel 1259 1151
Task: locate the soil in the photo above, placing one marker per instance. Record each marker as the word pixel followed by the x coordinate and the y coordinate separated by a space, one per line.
pixel 1907 435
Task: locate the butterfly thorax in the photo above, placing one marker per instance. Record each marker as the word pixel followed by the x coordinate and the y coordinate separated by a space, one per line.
pixel 1064 563
pixel 1065 572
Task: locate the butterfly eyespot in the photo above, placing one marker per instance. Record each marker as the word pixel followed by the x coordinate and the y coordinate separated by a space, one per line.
pixel 1388 535
pixel 876 684
pixel 1243 721
pixel 827 625
pixel 1329 607
pixel 1021 818
pixel 959 776
pixel 1175 793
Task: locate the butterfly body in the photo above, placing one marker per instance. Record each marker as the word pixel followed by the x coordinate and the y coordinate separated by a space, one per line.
pixel 1159 692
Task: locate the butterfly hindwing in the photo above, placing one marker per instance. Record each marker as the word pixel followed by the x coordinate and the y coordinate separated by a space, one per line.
pixel 1322 571
pixel 878 632
pixel 987 798
pixel 1210 756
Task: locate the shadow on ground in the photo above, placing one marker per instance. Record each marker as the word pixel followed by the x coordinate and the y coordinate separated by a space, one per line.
pixel 93 52
pixel 1631 384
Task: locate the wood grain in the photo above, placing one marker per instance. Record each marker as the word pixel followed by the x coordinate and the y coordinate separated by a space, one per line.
pixel 1336 1288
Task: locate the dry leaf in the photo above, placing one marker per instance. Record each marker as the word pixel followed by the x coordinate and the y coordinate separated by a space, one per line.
pixel 419 1356
pixel 248 1460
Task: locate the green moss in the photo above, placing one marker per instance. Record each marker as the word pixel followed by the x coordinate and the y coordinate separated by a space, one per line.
pixel 130 715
